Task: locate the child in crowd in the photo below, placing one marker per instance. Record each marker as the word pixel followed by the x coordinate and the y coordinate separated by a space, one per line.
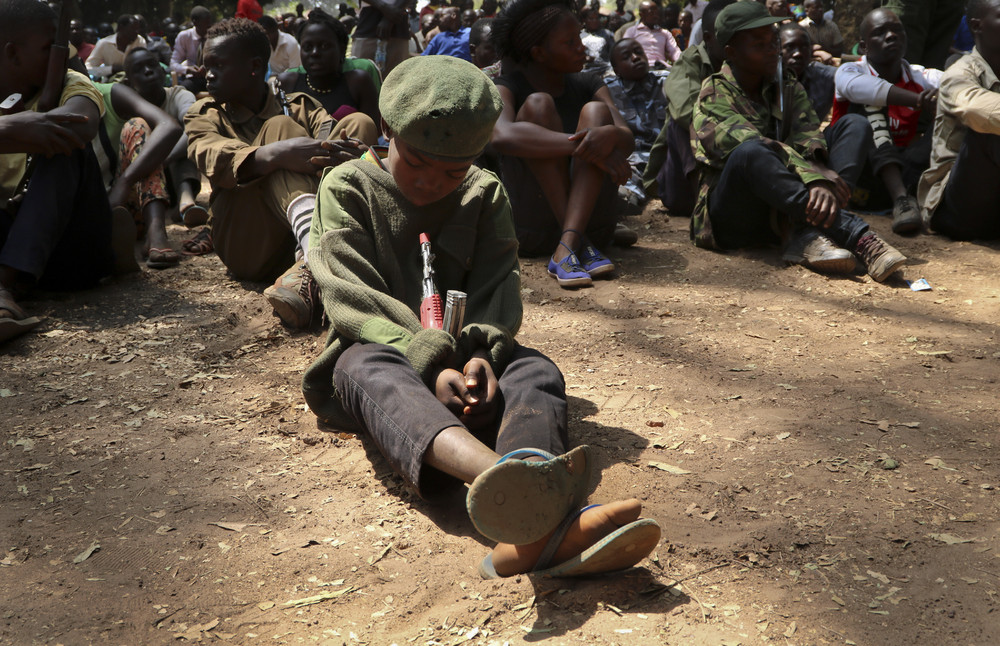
pixel 481 49
pixel 638 95
pixel 564 145
pixel 262 156
pixel 597 40
pixel 671 170
pixel 135 139
pixel 453 40
pixel 442 409
pixel 55 221
pixel 960 192
pixel 816 78
pixel 144 74
pixel 891 93
pixel 756 158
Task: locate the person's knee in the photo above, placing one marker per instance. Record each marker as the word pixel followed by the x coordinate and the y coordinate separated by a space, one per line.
pixel 280 127
pixel 595 113
pixel 362 361
pixel 538 108
pixel 357 125
pixel 854 124
pixel 748 152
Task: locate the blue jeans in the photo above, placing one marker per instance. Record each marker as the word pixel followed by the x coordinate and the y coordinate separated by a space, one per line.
pixel 756 181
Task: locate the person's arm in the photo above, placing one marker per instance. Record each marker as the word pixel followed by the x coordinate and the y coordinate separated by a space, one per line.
pixel 671 50
pixel 294 54
pixel 973 105
pixel 165 132
pixel 529 140
pixel 56 132
pixel 288 79
pixel 855 84
pixel 178 58
pixel 183 100
pixel 97 63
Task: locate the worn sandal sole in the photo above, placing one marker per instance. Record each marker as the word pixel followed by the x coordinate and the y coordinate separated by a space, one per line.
pixel 12 328
pixel 519 502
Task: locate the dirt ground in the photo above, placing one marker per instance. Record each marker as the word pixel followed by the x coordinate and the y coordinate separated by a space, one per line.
pixel 820 452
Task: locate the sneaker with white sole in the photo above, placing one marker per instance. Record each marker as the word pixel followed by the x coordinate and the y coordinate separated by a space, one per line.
pixel 878 256
pixel 814 250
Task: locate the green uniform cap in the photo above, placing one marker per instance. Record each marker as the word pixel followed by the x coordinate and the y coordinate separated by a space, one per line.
pixel 741 16
pixel 441 105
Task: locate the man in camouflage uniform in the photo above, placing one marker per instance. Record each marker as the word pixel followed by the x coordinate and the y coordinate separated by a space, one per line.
pixel 757 160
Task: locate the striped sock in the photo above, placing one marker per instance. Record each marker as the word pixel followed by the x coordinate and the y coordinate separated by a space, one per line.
pixel 300 213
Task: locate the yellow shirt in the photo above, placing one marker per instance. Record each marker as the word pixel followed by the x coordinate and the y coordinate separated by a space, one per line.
pixel 12 165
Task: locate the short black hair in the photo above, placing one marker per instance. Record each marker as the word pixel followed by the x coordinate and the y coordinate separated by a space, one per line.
pixel 794 27
pixel 319 17
pixel 17 16
pixel 711 11
pixel 977 8
pixel 478 29
pixel 522 24
pixel 124 20
pixel 198 12
pixel 268 23
pixel 247 33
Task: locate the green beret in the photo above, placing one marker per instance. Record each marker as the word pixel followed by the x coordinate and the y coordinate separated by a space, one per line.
pixel 741 16
pixel 441 105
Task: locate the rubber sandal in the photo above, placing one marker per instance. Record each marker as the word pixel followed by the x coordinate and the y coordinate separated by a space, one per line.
pixel 11 328
pixel 194 215
pixel 200 244
pixel 621 549
pixel 518 501
pixel 162 258
pixel 568 272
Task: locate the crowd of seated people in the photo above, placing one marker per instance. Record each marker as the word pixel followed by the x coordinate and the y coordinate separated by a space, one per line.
pixel 601 113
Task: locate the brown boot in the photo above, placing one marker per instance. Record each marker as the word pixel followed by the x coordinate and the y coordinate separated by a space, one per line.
pixel 293 296
pixel 880 258
pixel 814 250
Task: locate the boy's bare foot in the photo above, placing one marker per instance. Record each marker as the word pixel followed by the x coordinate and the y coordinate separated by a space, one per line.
pixel 590 527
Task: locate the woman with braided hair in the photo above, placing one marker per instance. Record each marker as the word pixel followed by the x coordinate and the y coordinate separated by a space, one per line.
pixel 565 147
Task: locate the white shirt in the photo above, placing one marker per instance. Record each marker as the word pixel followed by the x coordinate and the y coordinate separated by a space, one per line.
pixel 696 11
pixel 106 54
pixel 286 55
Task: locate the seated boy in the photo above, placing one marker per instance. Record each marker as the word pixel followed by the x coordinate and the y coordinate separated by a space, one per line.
pixel 437 406
pixel 960 192
pixel 891 93
pixel 144 74
pixel 55 222
pixel 756 159
pixel 670 171
pixel 638 95
pixel 262 158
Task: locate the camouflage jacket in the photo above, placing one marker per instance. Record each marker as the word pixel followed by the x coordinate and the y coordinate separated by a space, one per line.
pixel 725 117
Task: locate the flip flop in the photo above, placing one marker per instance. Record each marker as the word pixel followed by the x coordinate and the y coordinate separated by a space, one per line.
pixel 162 258
pixel 194 215
pixel 11 328
pixel 516 501
pixel 619 550
pixel 200 244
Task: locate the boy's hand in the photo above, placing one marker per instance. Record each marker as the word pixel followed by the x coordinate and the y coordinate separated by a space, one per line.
pixel 599 146
pixel 450 390
pixel 927 98
pixel 482 386
pixel 821 211
pixel 45 131
pixel 337 152
pixel 841 190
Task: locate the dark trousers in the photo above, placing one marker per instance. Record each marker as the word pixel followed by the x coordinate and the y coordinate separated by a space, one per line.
pixel 61 234
pixel 970 208
pixel 754 182
pixel 537 229
pixel 676 180
pixel 849 141
pixel 380 389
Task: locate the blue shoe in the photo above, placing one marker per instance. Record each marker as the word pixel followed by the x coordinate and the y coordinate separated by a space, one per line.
pixel 594 262
pixel 568 272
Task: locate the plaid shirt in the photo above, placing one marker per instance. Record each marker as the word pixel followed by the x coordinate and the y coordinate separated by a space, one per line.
pixel 642 105
pixel 726 116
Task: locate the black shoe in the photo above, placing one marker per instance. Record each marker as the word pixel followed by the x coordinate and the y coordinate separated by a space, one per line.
pixel 906 216
pixel 624 236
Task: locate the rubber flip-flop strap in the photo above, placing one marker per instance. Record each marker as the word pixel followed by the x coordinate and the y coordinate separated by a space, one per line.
pixel 515 455
pixel 545 558
pixel 486 569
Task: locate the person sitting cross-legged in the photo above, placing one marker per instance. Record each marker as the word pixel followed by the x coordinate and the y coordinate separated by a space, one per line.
pixel 756 159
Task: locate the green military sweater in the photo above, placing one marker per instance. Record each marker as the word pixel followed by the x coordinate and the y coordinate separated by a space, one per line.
pixel 365 256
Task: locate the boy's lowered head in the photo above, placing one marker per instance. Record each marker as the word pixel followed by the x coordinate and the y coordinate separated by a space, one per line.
pixel 481 48
pixel 438 113
pixel 749 41
pixel 27 31
pixel 236 55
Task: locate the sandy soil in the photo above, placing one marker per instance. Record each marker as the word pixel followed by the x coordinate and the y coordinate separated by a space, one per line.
pixel 837 442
